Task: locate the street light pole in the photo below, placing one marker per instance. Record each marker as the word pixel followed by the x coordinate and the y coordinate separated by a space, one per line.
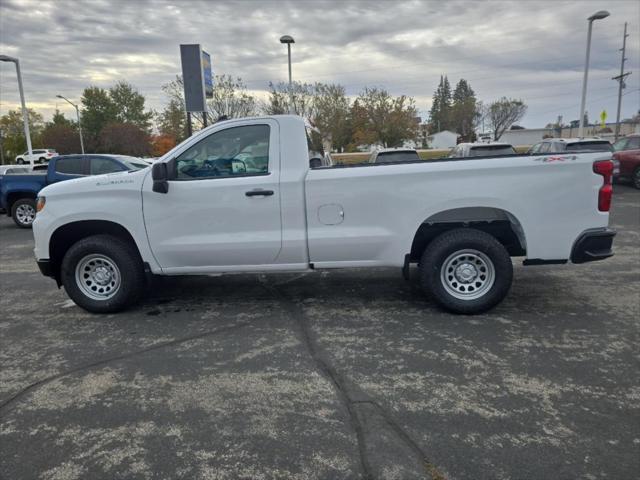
pixel 596 16
pixel 25 114
pixel 620 78
pixel 288 39
pixel 78 116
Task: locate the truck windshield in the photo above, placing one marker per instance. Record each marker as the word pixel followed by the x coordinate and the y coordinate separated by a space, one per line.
pixel 132 163
pixel 488 150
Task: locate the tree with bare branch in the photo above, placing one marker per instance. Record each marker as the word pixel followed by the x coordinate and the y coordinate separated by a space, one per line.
pixel 503 113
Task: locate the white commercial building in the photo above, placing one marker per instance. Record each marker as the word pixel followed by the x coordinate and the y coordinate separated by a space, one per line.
pixel 526 136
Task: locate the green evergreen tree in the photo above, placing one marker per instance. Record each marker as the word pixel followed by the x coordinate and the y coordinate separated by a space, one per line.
pixel 440 113
pixel 463 110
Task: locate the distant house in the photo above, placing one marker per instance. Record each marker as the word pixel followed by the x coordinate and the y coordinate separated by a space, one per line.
pixel 442 140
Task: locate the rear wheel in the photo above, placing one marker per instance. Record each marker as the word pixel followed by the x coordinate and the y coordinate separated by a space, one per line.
pixel 103 274
pixel 636 178
pixel 23 212
pixel 466 271
pixel 42 160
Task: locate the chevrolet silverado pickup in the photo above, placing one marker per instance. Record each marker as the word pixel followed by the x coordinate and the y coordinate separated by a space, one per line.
pixel 240 196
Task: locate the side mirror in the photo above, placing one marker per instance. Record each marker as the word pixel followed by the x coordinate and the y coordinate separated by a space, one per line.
pixel 238 167
pixel 160 178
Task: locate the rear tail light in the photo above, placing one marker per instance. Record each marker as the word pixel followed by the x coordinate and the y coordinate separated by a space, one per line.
pixel 604 168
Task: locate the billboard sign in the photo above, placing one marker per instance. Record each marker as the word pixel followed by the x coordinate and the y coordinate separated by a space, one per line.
pixel 207 74
pixel 197 77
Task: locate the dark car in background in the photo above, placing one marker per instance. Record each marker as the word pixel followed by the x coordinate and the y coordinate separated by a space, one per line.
pixel 627 154
pixel 18 192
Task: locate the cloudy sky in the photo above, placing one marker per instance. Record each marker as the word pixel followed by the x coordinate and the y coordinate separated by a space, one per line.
pixel 531 49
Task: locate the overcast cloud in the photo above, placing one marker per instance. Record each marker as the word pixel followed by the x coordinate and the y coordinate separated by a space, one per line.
pixel 532 50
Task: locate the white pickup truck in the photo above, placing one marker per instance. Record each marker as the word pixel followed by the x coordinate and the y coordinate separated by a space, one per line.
pixel 240 196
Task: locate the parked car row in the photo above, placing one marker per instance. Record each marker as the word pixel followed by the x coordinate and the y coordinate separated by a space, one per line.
pixel 19 186
pixel 625 152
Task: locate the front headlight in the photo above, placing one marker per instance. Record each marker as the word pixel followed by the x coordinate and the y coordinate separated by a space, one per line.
pixel 40 201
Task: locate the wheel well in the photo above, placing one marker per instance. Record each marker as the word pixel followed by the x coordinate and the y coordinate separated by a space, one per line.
pixel 498 223
pixel 13 197
pixel 67 235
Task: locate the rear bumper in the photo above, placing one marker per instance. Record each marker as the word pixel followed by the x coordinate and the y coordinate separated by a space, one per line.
pixel 593 245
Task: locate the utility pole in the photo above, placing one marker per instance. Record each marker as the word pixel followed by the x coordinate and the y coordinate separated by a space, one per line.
pixel 620 79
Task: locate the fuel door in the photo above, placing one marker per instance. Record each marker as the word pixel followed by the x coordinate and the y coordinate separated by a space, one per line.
pixel 331 214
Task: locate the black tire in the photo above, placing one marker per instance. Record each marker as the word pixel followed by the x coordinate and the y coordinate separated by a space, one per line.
pixel 20 161
pixel 128 265
pixel 23 212
pixel 636 178
pixel 471 249
pixel 42 160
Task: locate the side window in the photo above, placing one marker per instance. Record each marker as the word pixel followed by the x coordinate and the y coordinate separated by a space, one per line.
pixel 236 151
pixel 545 147
pixel 98 166
pixel 633 144
pixel 70 166
pixel 535 148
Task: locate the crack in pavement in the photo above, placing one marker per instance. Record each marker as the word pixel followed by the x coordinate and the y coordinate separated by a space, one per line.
pixel 124 356
pixel 328 370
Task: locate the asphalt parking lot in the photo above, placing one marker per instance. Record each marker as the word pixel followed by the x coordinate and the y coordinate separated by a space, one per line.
pixel 342 374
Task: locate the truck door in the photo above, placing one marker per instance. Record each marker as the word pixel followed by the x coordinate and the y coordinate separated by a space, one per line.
pixel 222 207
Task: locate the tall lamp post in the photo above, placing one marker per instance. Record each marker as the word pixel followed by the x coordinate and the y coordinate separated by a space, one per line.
pixel 288 40
pixel 25 114
pixel 78 116
pixel 596 16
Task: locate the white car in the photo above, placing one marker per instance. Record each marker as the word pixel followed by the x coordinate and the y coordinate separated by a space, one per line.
pixel 11 169
pixel 467 150
pixel 190 214
pixel 559 145
pixel 394 155
pixel 40 155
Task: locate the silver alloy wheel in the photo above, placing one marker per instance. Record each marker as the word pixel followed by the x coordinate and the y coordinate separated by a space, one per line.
pixel 467 274
pixel 25 214
pixel 98 277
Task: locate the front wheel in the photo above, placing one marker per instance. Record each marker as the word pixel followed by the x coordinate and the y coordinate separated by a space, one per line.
pixel 636 178
pixel 466 271
pixel 23 212
pixel 20 161
pixel 103 274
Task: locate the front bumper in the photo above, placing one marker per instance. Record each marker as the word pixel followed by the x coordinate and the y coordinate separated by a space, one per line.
pixel 45 268
pixel 592 245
